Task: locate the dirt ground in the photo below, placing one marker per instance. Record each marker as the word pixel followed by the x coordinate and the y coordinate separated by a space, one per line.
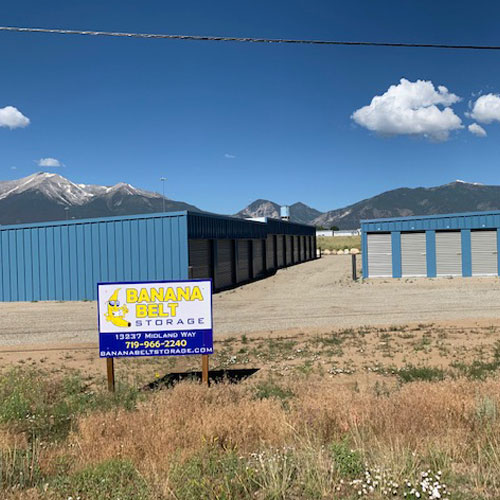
pixel 312 295
pixel 307 317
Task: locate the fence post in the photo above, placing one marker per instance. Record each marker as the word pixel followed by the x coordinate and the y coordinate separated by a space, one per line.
pixel 354 270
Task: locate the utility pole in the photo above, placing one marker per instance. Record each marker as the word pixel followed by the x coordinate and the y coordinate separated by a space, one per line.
pixel 163 179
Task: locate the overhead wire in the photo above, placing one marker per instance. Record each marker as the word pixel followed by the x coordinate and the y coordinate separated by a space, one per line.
pixel 208 38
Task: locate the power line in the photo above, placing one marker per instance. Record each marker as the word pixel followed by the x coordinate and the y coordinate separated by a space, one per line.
pixel 204 38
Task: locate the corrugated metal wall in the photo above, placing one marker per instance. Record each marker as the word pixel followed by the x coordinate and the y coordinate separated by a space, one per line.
pixel 65 260
pixel 462 244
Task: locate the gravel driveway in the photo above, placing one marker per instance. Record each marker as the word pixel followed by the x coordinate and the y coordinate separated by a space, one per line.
pixel 315 294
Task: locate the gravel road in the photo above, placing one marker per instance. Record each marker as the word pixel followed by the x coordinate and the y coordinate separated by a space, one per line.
pixel 315 294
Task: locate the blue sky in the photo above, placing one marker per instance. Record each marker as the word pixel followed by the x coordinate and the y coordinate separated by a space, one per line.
pixel 228 123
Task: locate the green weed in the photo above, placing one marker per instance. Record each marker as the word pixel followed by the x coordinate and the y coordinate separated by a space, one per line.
pixel 411 373
pixel 45 407
pixel 19 468
pixel 111 480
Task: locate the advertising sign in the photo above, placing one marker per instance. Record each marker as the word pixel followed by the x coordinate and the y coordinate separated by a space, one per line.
pixel 160 318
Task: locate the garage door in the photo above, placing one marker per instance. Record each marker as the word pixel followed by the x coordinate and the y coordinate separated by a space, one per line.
pixel 296 251
pixel 280 253
pixel 288 250
pixel 200 258
pixel 270 252
pixel 413 254
pixel 379 255
pixel 484 253
pixel 258 258
pixel 243 260
pixel 449 253
pixel 224 268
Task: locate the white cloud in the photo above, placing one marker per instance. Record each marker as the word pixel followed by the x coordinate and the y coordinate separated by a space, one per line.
pixel 230 156
pixel 486 109
pixel 411 108
pixel 49 162
pixel 11 117
pixel 13 168
pixel 476 129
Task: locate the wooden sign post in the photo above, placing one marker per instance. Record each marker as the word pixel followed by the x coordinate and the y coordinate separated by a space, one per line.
pixel 110 369
pixel 204 369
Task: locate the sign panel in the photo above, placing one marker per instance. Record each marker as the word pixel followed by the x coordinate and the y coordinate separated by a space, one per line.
pixel 160 318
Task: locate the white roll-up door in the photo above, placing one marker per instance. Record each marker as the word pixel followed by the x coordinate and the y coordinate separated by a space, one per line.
pixel 379 255
pixel 484 253
pixel 413 254
pixel 449 253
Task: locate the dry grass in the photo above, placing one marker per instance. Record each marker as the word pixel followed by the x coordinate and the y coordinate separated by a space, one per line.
pixel 298 429
pixel 339 242
pixel 439 425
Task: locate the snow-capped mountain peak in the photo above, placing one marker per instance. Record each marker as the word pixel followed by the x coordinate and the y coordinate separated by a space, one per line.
pixel 52 186
pixel 49 196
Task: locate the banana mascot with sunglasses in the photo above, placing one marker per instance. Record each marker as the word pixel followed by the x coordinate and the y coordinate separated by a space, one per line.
pixel 116 314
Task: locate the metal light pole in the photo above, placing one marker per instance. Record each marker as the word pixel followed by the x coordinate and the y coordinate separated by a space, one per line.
pixel 163 179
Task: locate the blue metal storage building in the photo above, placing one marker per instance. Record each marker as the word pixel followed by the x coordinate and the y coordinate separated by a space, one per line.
pixel 464 244
pixel 64 260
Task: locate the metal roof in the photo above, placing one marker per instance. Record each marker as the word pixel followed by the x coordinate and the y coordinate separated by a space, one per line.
pixel 69 222
pixel 466 220
pixel 435 216
pixel 201 225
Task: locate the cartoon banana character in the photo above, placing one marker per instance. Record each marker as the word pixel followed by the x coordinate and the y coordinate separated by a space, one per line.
pixel 116 314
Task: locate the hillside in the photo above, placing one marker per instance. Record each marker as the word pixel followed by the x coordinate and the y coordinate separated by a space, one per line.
pixel 46 196
pixel 299 212
pixel 457 196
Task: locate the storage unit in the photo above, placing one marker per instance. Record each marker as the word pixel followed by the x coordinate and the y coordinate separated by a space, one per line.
pixel 433 246
pixel 484 253
pixel 413 255
pixel 280 250
pixel 64 260
pixel 288 250
pixel 271 252
pixel 380 255
pixel 448 253
pixel 243 260
pixel 259 258
pixel 200 258
pixel 224 264
pixel 296 250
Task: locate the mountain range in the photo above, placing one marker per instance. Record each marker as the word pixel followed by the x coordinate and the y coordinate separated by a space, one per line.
pixel 299 212
pixel 48 196
pixel 458 196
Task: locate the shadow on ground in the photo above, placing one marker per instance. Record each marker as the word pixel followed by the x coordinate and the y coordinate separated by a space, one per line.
pixel 214 377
